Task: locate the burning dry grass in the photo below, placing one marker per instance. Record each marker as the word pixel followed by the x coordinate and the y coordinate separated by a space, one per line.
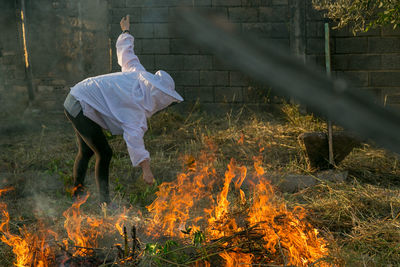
pixel 359 218
pixel 364 219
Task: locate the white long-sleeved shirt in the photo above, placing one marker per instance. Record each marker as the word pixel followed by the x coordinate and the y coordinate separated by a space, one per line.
pixel 120 102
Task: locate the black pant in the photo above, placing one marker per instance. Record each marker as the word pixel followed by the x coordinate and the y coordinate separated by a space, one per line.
pixel 91 140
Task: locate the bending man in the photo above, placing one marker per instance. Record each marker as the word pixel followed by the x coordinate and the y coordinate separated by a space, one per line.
pixel 120 102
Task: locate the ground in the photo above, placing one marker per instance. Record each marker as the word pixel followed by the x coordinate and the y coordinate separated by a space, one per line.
pixel 359 217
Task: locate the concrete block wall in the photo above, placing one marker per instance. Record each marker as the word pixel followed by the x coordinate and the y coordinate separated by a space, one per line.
pixel 68 42
pixel 71 40
pixel 198 74
pixel 13 89
pixel 370 61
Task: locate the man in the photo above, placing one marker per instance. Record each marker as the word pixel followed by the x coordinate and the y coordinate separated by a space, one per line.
pixel 120 102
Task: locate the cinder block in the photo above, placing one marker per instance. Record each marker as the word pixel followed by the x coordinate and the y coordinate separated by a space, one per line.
pixel 191 3
pixel 347 32
pixel 373 92
pixel 118 3
pixel 356 62
pixel 136 3
pixel 142 30
pixel 180 90
pixel 268 30
pixel 201 2
pixel 384 44
pixel 169 62
pixel 279 42
pixel 351 45
pixel 155 46
pixel 252 3
pixel 155 14
pixel 221 12
pixel 161 30
pixel 20 88
pixel 198 62
pixel 391 62
pixel 237 78
pixel 388 93
pixel 181 46
pixel 229 3
pixel 391 96
pixel 228 94
pixel 209 78
pixel 274 14
pixel 315 29
pixel 315 46
pixel 165 3
pixel 219 64
pixel 137 46
pixel 118 13
pixel 313 14
pixel 19 74
pixel 280 2
pixel 9 53
pixel 389 31
pixel 9 73
pixel 356 78
pixel 173 13
pixel 45 89
pixel 387 78
pixel 186 78
pixel 243 14
pixel 203 94
pixel 147 61
pixel 58 82
pixel 8 60
pixel 370 33
pixel 342 32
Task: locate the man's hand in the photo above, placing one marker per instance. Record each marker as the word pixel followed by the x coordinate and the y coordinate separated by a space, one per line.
pixel 125 23
pixel 147 174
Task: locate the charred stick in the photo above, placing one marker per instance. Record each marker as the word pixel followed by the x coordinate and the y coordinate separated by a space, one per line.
pixel 120 252
pixel 134 241
pixel 280 246
pixel 126 247
pixel 64 249
pixel 94 249
pixel 106 257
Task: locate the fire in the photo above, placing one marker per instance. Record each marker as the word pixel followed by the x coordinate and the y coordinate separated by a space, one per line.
pixel 82 237
pixel 30 249
pixel 33 247
pixel 170 211
pixel 286 236
pixel 238 212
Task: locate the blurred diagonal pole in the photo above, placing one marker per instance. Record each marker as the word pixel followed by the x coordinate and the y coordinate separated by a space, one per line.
pixel 28 68
pixel 271 65
pixel 328 72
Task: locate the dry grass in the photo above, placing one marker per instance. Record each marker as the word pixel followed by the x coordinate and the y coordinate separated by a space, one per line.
pixel 360 217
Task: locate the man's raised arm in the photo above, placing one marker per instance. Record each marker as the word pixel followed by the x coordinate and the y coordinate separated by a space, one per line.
pixel 125 53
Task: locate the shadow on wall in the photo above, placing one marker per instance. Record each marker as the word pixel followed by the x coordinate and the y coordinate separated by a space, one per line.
pixel 68 39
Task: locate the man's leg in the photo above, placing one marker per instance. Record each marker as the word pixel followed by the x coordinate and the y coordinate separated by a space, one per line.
pixel 81 165
pixel 92 135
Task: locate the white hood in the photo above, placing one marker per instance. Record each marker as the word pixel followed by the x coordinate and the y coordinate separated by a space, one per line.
pixel 160 91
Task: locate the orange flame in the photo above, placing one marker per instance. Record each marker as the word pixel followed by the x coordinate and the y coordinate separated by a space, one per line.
pixel 286 235
pixel 82 237
pixel 119 225
pixel 241 140
pixel 30 249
